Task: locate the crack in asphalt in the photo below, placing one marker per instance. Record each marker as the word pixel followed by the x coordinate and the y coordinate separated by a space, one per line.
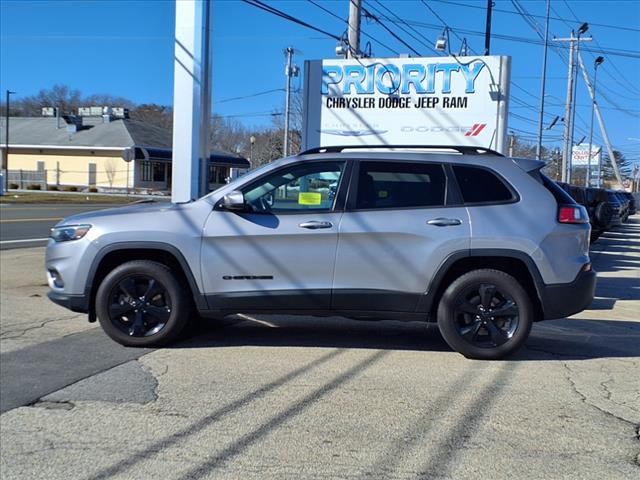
pixel 584 399
pixel 3 335
pixel 53 404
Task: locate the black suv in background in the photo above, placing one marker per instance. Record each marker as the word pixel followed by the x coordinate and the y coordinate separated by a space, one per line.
pixel 597 204
pixel 606 208
pixel 632 202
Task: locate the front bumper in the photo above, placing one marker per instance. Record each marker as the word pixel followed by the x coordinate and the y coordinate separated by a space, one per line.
pixel 565 299
pixel 75 303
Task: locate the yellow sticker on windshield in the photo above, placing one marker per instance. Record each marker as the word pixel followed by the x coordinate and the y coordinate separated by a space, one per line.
pixel 309 198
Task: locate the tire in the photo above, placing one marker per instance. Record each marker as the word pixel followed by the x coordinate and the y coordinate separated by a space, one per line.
pixel 464 316
pixel 603 214
pixel 142 304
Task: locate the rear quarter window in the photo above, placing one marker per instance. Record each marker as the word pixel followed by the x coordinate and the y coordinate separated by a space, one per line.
pixel 562 197
pixel 480 185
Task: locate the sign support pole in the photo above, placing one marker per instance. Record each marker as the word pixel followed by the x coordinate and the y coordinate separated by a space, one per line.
pixel 191 99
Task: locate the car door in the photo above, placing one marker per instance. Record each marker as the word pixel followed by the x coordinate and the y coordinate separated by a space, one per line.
pixel 398 228
pixel 279 252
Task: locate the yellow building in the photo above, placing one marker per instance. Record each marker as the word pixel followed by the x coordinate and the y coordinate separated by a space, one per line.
pixel 88 152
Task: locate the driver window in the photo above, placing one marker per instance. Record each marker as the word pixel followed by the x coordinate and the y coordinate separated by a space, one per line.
pixel 298 188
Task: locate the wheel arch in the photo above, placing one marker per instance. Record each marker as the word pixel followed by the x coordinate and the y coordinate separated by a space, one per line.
pixel 513 262
pixel 116 254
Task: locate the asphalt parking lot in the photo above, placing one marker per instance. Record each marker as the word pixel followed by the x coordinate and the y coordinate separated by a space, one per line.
pixel 287 397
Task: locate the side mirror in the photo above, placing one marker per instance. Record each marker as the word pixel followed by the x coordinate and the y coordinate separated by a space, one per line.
pixel 233 201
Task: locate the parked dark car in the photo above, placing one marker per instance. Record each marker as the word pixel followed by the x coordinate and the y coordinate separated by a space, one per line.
pixel 624 205
pixel 632 202
pixel 600 213
pixel 606 208
pixel 616 208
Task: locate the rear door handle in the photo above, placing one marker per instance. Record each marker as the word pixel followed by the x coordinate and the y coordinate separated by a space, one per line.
pixel 444 222
pixel 315 225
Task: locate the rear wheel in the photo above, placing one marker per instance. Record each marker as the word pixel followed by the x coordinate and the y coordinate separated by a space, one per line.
pixel 485 314
pixel 603 214
pixel 142 304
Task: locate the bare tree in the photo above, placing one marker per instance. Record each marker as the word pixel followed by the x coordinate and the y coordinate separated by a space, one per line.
pixel 158 115
pixel 228 135
pixel 110 169
pixel 62 96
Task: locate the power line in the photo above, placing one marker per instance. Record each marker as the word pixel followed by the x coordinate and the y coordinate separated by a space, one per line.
pixel 427 40
pixel 446 25
pixel 347 22
pixel 617 27
pixel 370 15
pixel 511 38
pixel 610 62
pixel 251 114
pixel 286 16
pixel 233 99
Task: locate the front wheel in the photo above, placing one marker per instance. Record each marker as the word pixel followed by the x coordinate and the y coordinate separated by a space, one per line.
pixel 142 304
pixel 485 314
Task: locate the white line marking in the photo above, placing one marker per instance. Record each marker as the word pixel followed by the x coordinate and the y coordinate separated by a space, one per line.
pixel 26 240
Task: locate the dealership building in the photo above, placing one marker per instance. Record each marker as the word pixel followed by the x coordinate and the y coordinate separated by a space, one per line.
pixel 88 151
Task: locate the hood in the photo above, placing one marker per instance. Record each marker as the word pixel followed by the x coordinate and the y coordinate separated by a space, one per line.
pixel 131 209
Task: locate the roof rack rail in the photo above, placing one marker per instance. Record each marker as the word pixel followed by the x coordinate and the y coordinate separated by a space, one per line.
pixel 465 150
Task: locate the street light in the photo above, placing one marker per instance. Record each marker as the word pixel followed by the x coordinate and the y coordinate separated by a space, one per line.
pixel 252 140
pixel 553 123
pixel 598 61
pixel 6 147
pixel 442 42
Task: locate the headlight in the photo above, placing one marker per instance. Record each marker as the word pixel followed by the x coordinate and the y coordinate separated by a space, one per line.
pixel 69 232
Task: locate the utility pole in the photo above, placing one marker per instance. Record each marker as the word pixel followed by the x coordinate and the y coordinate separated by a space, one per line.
pixel 582 29
pixel 542 82
pixel 355 9
pixel 603 130
pixel 566 152
pixel 290 71
pixel 567 149
pixel 487 31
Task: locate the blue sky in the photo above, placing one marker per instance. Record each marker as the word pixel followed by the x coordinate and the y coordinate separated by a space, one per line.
pixel 125 48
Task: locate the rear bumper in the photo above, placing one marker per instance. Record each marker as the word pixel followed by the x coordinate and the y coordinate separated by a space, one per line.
pixel 565 299
pixel 75 303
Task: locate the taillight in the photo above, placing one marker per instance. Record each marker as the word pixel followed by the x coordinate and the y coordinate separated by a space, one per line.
pixel 572 214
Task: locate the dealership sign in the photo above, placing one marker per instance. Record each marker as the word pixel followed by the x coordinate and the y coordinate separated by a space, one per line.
pixel 407 101
pixel 580 155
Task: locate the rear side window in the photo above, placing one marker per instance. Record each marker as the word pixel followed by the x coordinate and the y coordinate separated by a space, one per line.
pixel 562 197
pixel 479 185
pixel 400 185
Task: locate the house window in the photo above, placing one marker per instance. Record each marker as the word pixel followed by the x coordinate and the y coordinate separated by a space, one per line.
pixel 145 167
pixel 158 171
pixel 152 171
pixel 218 174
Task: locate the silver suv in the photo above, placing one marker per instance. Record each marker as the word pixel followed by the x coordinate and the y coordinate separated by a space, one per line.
pixel 481 243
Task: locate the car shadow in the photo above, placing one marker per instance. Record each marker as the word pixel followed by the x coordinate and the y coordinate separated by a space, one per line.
pixel 549 340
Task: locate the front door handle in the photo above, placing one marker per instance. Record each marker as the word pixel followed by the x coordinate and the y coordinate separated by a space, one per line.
pixel 315 225
pixel 444 222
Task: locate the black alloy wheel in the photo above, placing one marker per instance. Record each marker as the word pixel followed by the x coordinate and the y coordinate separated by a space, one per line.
pixel 142 303
pixel 140 306
pixel 485 314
